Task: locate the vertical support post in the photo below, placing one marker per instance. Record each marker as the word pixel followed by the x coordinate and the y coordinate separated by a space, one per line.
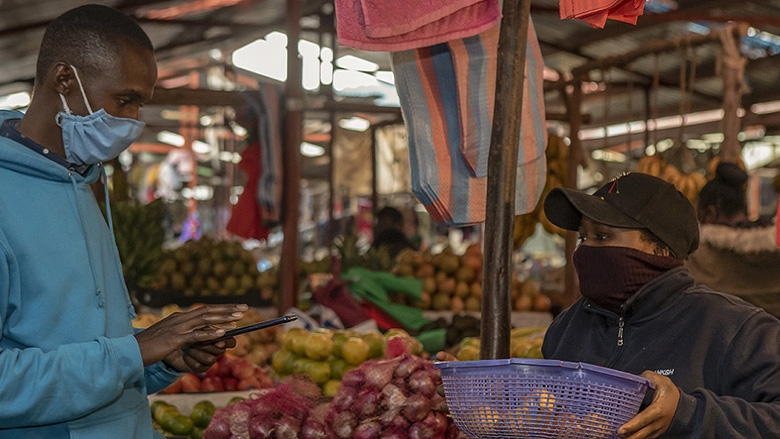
pixel 374 180
pixel 331 234
pixel 732 102
pixel 573 102
pixel 328 39
pixel 502 175
pixel 293 122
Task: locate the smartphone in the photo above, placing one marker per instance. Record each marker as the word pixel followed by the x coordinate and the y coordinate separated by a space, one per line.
pixel 251 328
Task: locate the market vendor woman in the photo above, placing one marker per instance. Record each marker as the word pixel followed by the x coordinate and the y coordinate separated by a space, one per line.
pixel 71 365
pixel 715 359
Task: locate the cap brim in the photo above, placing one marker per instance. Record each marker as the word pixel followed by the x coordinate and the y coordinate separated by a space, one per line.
pixel 565 208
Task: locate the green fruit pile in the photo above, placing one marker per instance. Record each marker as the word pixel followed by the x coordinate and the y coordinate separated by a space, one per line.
pixel 325 355
pixel 170 422
pixel 212 268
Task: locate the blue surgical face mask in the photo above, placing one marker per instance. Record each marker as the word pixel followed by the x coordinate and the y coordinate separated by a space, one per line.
pixel 97 137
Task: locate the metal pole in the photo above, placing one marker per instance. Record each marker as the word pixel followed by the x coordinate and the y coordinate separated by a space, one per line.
pixel 292 160
pixel 502 174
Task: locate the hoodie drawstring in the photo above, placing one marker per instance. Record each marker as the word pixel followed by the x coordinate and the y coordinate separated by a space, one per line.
pixel 98 292
pixel 108 204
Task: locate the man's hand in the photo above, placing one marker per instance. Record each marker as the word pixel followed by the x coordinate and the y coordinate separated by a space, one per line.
pixel 198 359
pixel 653 421
pixel 182 329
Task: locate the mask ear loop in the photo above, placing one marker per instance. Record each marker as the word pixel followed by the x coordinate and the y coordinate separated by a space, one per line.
pixel 81 88
pixel 58 117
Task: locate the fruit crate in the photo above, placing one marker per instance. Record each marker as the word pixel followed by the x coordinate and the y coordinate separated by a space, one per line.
pixel 540 399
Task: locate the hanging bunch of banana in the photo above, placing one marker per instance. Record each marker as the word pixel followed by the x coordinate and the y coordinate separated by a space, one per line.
pixel 557 156
pixel 651 164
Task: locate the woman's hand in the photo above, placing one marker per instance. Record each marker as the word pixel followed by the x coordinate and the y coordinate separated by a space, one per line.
pixel 182 329
pixel 445 356
pixel 653 421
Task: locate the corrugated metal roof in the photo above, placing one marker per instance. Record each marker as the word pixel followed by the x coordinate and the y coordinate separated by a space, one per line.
pixel 566 44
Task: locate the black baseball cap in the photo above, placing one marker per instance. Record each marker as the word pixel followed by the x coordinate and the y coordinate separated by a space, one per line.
pixel 635 201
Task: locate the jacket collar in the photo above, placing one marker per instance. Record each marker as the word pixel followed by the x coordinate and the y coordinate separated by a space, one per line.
pixel 653 298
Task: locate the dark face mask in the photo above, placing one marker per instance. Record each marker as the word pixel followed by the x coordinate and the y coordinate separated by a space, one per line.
pixel 611 275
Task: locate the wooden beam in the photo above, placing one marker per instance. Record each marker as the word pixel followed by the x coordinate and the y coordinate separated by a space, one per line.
pixel 501 180
pixel 43 23
pixel 293 122
pixel 204 23
pixel 646 21
pixel 651 48
pixel 644 79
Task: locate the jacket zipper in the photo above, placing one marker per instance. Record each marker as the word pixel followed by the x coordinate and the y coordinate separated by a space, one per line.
pixel 621 325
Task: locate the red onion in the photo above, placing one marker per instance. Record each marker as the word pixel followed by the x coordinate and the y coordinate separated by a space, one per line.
pixel 400 423
pixel 344 424
pixel 353 378
pixel 313 429
pixel 380 373
pixel 387 417
pixel 401 384
pixel 261 427
pixel 366 403
pixel 421 382
pixel 408 365
pixel 422 431
pixel 437 423
pixel 368 430
pixel 392 397
pixel 218 429
pixel 344 398
pixel 416 408
pixel 393 433
pixel 287 428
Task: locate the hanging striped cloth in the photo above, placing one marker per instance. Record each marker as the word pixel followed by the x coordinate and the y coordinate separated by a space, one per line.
pixel 447 95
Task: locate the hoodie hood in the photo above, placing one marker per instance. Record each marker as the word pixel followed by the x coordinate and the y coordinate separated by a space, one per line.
pixel 21 159
pixel 742 240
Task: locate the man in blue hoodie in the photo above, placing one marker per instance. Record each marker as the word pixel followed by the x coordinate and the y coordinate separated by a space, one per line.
pixel 71 365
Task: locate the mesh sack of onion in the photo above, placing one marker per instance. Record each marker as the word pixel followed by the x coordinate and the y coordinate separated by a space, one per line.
pixel 290 411
pixel 393 398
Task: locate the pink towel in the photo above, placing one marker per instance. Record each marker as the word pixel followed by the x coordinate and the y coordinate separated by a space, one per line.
pixel 471 20
pixel 389 18
pixel 596 12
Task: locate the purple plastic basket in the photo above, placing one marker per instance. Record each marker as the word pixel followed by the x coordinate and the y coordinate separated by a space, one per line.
pixel 540 399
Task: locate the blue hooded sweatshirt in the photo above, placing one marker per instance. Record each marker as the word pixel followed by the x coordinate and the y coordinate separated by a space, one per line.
pixel 70 366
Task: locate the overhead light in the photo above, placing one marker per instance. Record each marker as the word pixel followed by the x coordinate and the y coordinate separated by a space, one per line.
pixel 608 156
pixel 385 76
pixel 355 124
pixel 201 147
pixel 766 107
pixel 238 130
pixel 15 100
pixel 170 138
pixel 349 80
pixel 311 150
pixel 351 62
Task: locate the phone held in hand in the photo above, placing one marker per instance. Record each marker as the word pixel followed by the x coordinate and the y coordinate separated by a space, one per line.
pixel 255 327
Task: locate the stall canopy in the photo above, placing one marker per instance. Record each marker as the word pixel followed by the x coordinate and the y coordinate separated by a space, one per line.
pixel 195 34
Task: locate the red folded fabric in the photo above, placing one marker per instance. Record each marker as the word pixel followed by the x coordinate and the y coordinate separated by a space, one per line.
pixel 387 18
pixel 353 25
pixel 596 12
